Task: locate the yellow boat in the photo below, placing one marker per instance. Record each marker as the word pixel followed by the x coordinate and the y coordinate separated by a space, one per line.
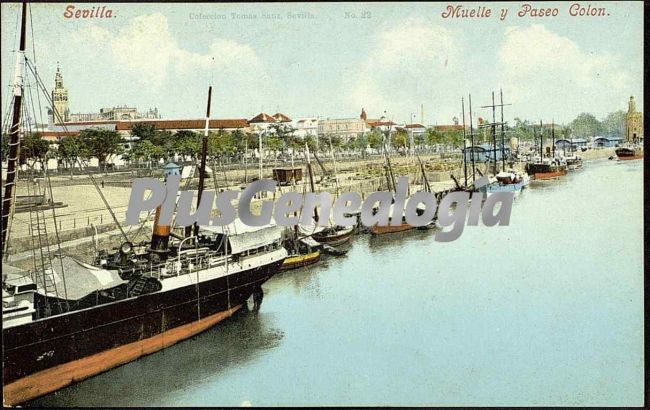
pixel 298 261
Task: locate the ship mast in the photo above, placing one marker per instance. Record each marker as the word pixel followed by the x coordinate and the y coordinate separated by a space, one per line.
pixel 471 134
pixel 503 135
pixel 204 154
pixel 541 139
pixel 462 101
pixel 14 133
pixel 553 136
pixel 494 135
pixel 493 127
pixel 311 178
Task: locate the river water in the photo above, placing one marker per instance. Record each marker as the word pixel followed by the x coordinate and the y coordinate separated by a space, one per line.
pixel 546 311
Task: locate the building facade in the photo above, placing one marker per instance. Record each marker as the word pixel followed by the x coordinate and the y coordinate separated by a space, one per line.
pixel 345 128
pixel 306 127
pixel 633 123
pixel 571 144
pixel 117 113
pixel 606 142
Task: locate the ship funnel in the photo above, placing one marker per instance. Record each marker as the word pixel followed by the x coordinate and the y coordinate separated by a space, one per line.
pixel 160 236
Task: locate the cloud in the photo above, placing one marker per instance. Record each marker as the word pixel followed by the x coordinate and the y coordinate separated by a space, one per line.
pixel 544 73
pixel 146 46
pixel 408 61
pixel 142 63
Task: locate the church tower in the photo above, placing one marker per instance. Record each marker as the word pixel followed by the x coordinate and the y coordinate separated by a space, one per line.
pixel 633 123
pixel 60 98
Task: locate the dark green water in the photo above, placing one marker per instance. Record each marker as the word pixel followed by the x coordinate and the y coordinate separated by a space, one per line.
pixel 546 311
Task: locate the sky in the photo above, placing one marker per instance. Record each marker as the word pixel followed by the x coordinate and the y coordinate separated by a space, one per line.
pixel 391 58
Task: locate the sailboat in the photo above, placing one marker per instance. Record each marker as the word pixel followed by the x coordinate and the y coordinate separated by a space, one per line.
pixel 72 320
pixel 302 252
pixel 574 161
pixel 332 234
pixel 506 180
pixel 393 213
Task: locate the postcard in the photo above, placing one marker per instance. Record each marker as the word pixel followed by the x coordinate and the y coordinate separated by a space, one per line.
pixel 323 204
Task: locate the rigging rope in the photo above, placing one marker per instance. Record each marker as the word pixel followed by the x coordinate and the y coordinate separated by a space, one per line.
pixel 90 176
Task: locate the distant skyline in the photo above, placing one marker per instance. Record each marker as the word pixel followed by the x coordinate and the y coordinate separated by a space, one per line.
pixel 316 60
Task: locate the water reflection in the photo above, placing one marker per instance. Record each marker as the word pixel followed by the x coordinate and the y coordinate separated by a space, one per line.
pixel 147 381
pixel 546 311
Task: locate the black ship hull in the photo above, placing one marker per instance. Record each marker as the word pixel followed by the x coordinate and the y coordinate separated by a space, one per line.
pixel 629 153
pixel 545 171
pixel 46 355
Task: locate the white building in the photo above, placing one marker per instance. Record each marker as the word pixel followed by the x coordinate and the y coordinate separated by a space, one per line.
pixel 417 130
pixel 305 127
pixel 346 128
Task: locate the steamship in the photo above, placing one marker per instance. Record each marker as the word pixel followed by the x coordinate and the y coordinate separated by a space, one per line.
pixel 76 320
pixel 67 320
pixel 629 152
pixel 546 168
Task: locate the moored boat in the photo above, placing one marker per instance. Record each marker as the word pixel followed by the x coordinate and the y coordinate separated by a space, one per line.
pixel 509 181
pixel 545 169
pixel 305 252
pixel 334 235
pixel 67 320
pixel 573 163
pixel 629 153
pixel 401 227
pixel 103 320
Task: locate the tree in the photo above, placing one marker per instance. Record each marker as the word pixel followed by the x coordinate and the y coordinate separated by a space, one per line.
pixel 336 140
pixel 240 140
pixel 360 143
pixel 311 143
pixel 586 125
pixel 614 124
pixel 102 144
pixel 34 147
pixel 144 131
pixel 163 140
pixel 144 150
pixel 71 150
pixel 187 144
pixel 522 130
pixel 418 139
pixel 400 139
pixel 454 137
pixel 375 139
pixel 432 136
pixel 274 143
pixel 220 144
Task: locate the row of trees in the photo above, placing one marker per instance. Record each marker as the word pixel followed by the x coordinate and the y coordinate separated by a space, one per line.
pixel 97 143
pixel 583 126
pixel 151 144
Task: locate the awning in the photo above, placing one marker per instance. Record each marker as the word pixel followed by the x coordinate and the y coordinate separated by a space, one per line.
pixel 253 240
pixel 81 279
